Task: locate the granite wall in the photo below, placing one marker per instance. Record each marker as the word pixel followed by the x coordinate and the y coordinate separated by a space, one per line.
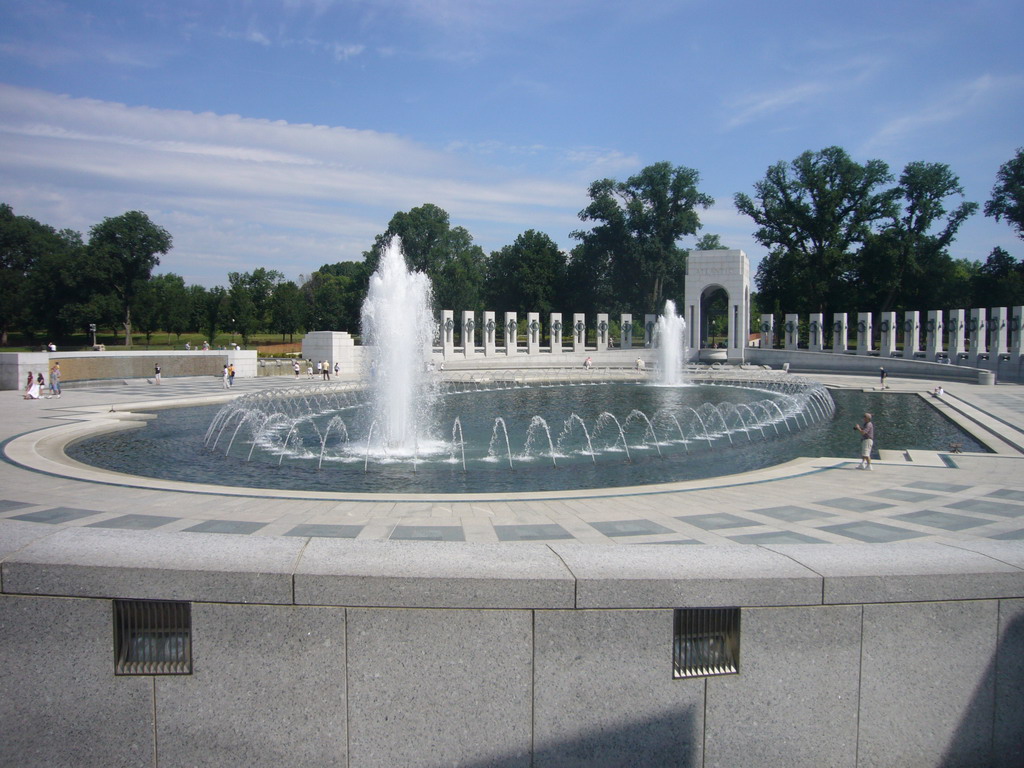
pixel 323 652
pixel 114 365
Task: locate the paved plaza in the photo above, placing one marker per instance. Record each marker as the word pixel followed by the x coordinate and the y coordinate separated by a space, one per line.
pixel 909 496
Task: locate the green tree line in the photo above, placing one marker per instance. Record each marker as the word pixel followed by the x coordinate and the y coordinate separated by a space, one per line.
pixel 840 235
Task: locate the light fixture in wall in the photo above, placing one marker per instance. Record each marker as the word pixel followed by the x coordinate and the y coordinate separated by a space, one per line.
pixel 152 637
pixel 706 642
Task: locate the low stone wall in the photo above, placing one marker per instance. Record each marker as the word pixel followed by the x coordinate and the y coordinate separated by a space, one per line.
pixel 331 652
pixel 124 364
pixel 804 361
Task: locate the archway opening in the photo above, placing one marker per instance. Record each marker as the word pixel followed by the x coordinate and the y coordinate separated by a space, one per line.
pixel 714 314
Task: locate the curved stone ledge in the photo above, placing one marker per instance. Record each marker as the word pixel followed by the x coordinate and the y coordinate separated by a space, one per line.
pixel 84 562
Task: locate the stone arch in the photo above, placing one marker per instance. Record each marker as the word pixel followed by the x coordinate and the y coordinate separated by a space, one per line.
pixel 711 274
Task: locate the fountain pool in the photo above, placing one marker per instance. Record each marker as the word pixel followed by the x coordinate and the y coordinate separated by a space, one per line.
pixel 548 429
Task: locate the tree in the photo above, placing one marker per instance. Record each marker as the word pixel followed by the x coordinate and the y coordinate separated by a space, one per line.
pixel 1008 193
pixel 326 300
pixel 334 295
pixel 904 265
pixel 24 243
pixel 445 254
pixel 241 308
pixel 61 289
pixel 146 317
pixel 174 303
pixel 197 299
pixel 287 309
pixel 128 247
pixel 260 283
pixel 216 310
pixel 527 276
pixel 999 282
pixel 812 215
pixel 640 223
pixel 710 242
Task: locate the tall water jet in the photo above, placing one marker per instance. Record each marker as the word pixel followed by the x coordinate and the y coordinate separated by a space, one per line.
pixel 670 337
pixel 398 329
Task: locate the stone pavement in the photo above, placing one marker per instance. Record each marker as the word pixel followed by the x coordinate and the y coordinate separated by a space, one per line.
pixel 910 496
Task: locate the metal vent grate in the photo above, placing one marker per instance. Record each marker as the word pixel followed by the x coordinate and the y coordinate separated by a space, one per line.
pixel 152 637
pixel 707 642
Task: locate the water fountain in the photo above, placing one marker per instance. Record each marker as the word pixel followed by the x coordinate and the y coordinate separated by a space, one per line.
pixel 398 328
pixel 394 426
pixel 408 429
pixel 670 339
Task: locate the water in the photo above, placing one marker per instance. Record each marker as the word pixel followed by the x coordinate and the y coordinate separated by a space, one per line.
pixel 398 329
pixel 670 339
pixel 492 438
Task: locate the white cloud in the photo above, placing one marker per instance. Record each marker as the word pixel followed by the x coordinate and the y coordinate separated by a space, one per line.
pixel 247 192
pixel 755 106
pixel 963 101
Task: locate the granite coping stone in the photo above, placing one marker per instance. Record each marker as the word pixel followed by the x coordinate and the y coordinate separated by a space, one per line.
pixel 435 575
pixel 17 534
pixel 95 562
pixel 909 572
pixel 646 576
pixel 1009 552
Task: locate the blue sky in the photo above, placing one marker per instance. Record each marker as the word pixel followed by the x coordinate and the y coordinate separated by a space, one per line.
pixel 286 133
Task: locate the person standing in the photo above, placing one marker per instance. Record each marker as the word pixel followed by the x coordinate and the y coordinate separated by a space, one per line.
pixel 295 366
pixel 326 368
pixel 867 440
pixel 55 380
pixel 156 373
pixel 231 375
pixel 225 377
pixel 882 373
pixel 31 388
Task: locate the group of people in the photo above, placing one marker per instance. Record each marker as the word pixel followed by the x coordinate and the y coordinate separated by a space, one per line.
pixel 323 369
pixel 205 347
pixel 35 385
pixel 228 376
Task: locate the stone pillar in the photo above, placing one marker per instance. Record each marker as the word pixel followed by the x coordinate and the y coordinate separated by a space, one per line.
pixel 977 329
pixel 649 322
pixel 911 334
pixel 489 332
pixel 469 333
pixel 579 332
pixel 1017 332
pixel 933 330
pixel 997 331
pixel 767 332
pixel 511 329
pixel 626 331
pixel 865 334
pixel 602 331
pixel 555 332
pixel 447 333
pixel 889 334
pixel 816 332
pixel 955 327
pixel 839 333
pixel 532 333
pixel 792 331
